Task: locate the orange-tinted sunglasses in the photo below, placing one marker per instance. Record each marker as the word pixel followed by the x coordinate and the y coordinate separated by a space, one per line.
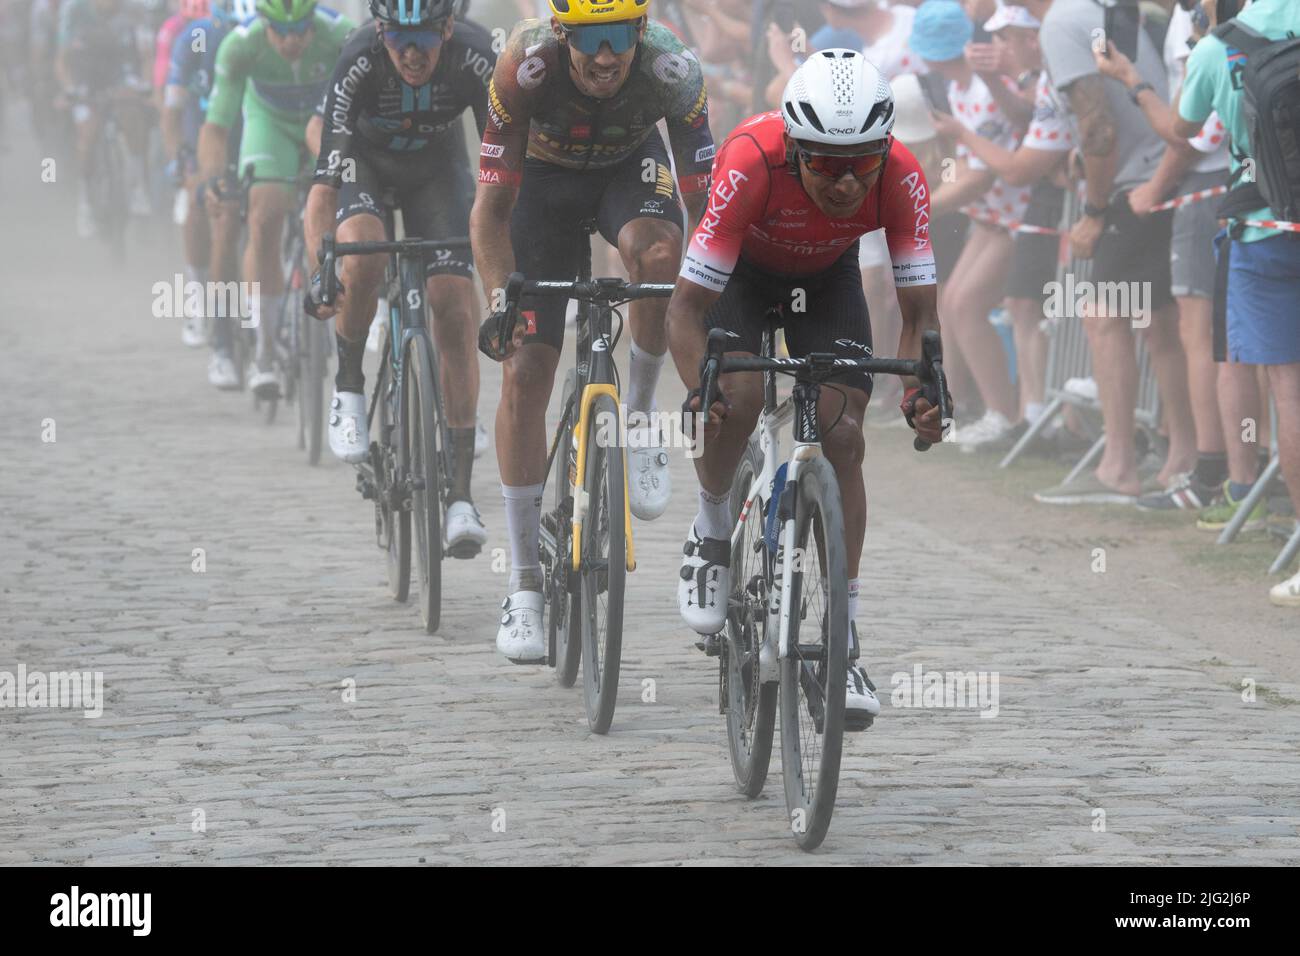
pixel 834 167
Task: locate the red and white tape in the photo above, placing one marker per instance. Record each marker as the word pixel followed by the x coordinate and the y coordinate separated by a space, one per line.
pixel 1186 200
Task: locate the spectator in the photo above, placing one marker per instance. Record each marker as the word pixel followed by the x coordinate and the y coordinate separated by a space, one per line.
pixel 1262 265
pixel 939 36
pixel 1202 163
pixel 1129 251
pixel 1038 163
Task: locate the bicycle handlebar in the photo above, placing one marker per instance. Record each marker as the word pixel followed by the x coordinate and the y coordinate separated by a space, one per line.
pixel 331 251
pixel 821 365
pixel 499 327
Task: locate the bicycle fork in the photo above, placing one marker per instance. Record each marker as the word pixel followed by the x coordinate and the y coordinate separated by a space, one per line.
pixel 581 499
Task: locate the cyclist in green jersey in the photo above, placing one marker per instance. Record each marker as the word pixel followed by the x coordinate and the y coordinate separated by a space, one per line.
pixel 274 71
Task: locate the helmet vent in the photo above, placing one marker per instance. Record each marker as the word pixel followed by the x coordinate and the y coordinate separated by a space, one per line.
pixel 811 115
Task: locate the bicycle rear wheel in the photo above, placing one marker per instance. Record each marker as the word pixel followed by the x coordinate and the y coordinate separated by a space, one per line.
pixel 392 523
pixel 604 566
pixel 750 703
pixel 814 672
pixel 421 464
pixel 565 600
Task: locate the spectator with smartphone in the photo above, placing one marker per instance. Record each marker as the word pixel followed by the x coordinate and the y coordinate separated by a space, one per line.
pixel 1262 265
pixel 1189 166
pixel 1129 252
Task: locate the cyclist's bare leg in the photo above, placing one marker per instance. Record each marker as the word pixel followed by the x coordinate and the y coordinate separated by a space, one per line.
pixel 223 223
pixel 268 205
pixel 527 378
pixel 716 466
pixel 196 233
pixel 455 331
pixel 845 449
pixel 361 277
pixel 651 250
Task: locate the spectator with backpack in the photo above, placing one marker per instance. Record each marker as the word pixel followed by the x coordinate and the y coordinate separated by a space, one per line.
pixel 1248 71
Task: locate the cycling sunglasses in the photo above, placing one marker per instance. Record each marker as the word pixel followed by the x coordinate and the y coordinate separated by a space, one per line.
pixel 292 27
pixel 423 40
pixel 834 167
pixel 621 37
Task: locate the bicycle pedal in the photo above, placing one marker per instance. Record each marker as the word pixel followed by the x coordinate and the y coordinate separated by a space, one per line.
pixel 711 645
pixel 856 724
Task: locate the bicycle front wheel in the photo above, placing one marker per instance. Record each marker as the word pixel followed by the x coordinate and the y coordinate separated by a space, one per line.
pixel 392 520
pixel 421 465
pixel 311 384
pixel 565 600
pixel 604 563
pixel 814 672
pixel 750 703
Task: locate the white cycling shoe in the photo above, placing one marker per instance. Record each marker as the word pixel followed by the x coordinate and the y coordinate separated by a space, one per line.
pixel 704 583
pixel 463 527
pixel 861 706
pixel 480 439
pixel 193 334
pixel 648 483
pixel 349 432
pixel 222 373
pixel 521 637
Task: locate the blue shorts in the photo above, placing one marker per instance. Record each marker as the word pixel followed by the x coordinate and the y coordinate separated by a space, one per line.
pixel 1263 297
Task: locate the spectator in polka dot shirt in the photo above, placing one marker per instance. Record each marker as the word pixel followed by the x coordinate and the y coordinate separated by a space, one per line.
pixel 1037 165
pixel 940 33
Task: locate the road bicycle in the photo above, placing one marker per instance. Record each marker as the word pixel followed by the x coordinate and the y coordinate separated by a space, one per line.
pixel 409 472
pixel 787 643
pixel 586 545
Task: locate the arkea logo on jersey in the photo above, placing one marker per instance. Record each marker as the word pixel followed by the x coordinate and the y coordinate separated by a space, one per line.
pixel 723 194
pixel 921 206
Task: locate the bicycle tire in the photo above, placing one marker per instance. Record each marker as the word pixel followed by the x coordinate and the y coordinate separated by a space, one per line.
pixel 312 386
pixel 421 463
pixel 395 524
pixel 812 744
pixel 565 629
pixel 604 540
pixel 750 703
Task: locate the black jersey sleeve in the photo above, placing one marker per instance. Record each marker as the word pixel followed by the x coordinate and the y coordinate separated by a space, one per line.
pixel 341 107
pixel 474 76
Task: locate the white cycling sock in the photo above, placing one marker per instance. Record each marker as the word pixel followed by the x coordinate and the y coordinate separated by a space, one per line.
pixel 714 517
pixel 643 375
pixel 523 526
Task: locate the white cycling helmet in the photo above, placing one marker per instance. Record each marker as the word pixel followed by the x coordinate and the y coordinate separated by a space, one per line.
pixel 838 98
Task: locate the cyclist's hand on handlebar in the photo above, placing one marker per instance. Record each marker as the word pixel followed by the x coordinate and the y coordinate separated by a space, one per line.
pixel 489 336
pixel 718 411
pixel 922 416
pixel 311 298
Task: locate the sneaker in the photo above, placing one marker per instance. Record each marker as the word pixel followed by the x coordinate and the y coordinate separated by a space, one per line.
pixel 349 431
pixel 705 583
pixel 193 333
pixel 265 384
pixel 1217 516
pixel 1183 493
pixel 1087 489
pixel 861 706
pixel 463 531
pixel 480 439
pixel 1287 593
pixel 648 484
pixel 86 228
pixel 222 373
pixel 521 637
pixel 993 427
pixel 141 205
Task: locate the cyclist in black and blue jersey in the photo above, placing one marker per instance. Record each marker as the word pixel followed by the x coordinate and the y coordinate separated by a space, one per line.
pixel 392 121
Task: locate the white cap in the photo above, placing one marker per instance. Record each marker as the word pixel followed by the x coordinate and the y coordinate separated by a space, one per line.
pixel 1010 15
pixel 913 123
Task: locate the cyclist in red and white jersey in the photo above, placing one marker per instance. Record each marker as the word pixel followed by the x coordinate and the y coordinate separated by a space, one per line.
pixel 791 195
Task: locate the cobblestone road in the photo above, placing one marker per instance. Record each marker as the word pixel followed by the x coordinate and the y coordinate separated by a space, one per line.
pixel 224 688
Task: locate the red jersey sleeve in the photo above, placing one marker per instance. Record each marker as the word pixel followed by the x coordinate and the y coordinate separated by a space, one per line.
pixel 738 192
pixel 905 215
